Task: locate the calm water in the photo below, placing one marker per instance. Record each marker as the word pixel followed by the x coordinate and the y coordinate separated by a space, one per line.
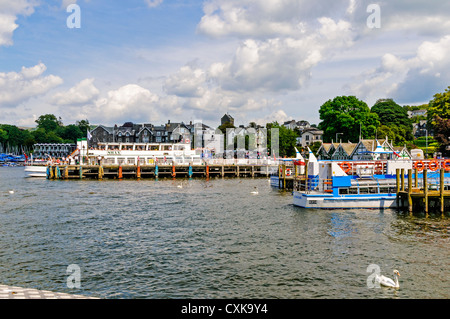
pixel 208 239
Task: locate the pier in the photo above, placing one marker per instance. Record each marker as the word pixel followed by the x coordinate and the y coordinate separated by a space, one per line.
pixel 157 171
pixel 423 194
pixel 13 292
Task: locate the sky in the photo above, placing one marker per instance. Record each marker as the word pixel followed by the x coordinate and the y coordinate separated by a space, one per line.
pixel 150 61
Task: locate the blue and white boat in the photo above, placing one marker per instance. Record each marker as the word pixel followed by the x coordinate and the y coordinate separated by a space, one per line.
pixel 329 187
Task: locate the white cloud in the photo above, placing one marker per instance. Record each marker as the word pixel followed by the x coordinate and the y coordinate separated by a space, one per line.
pixel 17 87
pixel 129 101
pixel 9 10
pixel 153 3
pixel 408 78
pixel 188 82
pixel 82 93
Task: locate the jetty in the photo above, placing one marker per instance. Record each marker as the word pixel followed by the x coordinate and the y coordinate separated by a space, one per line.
pixel 157 171
pixel 426 192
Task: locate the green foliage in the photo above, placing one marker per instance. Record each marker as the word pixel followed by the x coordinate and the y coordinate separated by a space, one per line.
pixel 396 122
pixel 439 106
pixel 442 134
pixel 287 139
pixel 50 129
pixel 349 116
pixel 48 122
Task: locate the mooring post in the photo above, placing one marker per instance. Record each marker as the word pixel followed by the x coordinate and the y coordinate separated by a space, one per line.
pixel 410 204
pixel 397 177
pixel 441 190
pixel 416 178
pixel 425 190
pixel 138 171
pixel 120 172
pixel 403 179
pixel 283 167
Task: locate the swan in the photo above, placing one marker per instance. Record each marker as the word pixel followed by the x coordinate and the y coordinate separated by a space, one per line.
pixel 11 192
pixel 388 282
pixel 255 192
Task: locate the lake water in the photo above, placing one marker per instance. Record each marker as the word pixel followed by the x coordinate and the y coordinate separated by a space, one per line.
pixel 208 239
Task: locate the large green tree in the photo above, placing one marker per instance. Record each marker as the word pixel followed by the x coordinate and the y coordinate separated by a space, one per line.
pixel 347 117
pixel 49 122
pixel 396 118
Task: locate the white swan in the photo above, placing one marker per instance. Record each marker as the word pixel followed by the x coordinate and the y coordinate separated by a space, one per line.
pixel 255 192
pixel 11 192
pixel 388 282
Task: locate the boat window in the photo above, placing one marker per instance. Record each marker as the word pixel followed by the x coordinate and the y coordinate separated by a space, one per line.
pixel 364 190
pixel 373 190
pixel 384 190
pixel 131 160
pixel 154 148
pixel 121 160
pixel 343 191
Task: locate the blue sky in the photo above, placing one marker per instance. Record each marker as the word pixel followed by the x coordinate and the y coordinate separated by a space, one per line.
pixel 185 60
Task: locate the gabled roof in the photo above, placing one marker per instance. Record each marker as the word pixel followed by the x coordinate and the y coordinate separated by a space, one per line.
pixel 108 129
pixel 348 148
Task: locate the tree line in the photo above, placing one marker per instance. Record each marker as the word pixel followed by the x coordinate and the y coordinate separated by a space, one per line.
pixel 349 118
pixel 345 118
pixel 49 129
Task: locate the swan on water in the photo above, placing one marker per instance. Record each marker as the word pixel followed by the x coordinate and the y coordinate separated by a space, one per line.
pixel 388 282
pixel 11 192
pixel 255 192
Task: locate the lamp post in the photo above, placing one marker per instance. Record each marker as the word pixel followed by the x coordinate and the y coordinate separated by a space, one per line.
pixel 426 143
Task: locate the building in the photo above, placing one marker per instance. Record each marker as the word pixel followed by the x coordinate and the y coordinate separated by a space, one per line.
pixel 326 151
pixel 139 133
pixel 55 150
pixel 310 136
pixel 227 118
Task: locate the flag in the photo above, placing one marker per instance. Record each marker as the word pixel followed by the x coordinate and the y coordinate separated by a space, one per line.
pixel 89 136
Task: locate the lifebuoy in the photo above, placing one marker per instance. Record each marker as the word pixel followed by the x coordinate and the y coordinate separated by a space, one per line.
pixel 419 168
pixel 347 166
pixel 433 165
pixel 446 165
pixel 288 172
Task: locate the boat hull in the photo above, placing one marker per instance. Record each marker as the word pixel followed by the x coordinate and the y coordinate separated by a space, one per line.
pixel 36 171
pixel 325 201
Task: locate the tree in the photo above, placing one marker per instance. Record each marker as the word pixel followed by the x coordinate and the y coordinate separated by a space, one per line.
pixel 395 117
pixel 439 106
pixel 48 122
pixel 442 134
pixel 287 139
pixel 349 116
pixel 83 125
pixel 70 133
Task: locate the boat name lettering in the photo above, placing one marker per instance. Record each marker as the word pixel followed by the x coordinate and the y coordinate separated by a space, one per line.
pixel 114 153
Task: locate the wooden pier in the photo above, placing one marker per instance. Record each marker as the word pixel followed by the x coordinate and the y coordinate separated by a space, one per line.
pixel 156 171
pixel 421 195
